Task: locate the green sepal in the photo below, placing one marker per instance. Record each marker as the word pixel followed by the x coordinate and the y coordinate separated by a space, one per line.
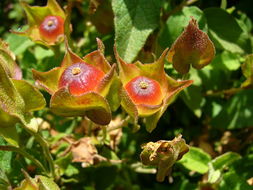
pixel 36 15
pixel 127 71
pixel 90 104
pixel 105 84
pixel 9 133
pixel 174 88
pixel 155 71
pixel 113 96
pixel 128 104
pixel 192 47
pixel 97 58
pixel 48 80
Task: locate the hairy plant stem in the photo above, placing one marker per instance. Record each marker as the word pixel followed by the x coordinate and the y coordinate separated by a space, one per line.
pixel 227 92
pixel 45 149
pixel 46 152
pixel 25 154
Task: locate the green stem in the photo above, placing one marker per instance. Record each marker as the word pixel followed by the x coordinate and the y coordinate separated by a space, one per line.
pixel 46 152
pixel 227 92
pixel 25 154
pixel 45 148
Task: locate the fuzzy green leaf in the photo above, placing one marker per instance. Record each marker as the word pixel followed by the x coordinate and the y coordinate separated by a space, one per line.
pixel 234 39
pixel 134 21
pixel 33 99
pixel 196 160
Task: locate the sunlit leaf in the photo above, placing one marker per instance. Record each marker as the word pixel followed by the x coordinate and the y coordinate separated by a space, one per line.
pixel 234 39
pixel 134 21
pixel 247 70
pixel 196 160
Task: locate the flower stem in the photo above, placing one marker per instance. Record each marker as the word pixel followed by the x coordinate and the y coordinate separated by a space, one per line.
pixel 25 154
pixel 45 149
pixel 227 92
pixel 46 152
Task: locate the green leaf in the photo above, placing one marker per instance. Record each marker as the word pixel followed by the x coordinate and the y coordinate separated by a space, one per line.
pixel 220 163
pixel 230 60
pixel 4 182
pixel 237 112
pixel 234 181
pixel 18 44
pixel 234 39
pixel 196 160
pixel 134 21
pixel 177 22
pixel 48 80
pixel 5 159
pixel 46 183
pixel 10 135
pixel 192 96
pixel 91 104
pixel 63 162
pixel 10 100
pixel 33 99
pixel 243 166
pixel 247 70
pixel 224 160
pixel 41 53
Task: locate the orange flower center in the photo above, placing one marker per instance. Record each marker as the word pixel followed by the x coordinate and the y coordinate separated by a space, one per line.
pixel 76 71
pixel 143 90
pixel 81 78
pixel 51 28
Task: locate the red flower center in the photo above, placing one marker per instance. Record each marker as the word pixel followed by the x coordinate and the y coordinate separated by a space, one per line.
pixel 51 28
pixel 81 78
pixel 143 90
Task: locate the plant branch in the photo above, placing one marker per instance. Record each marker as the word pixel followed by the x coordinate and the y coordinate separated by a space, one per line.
pixel 227 92
pixel 25 154
pixel 45 148
pixel 46 152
